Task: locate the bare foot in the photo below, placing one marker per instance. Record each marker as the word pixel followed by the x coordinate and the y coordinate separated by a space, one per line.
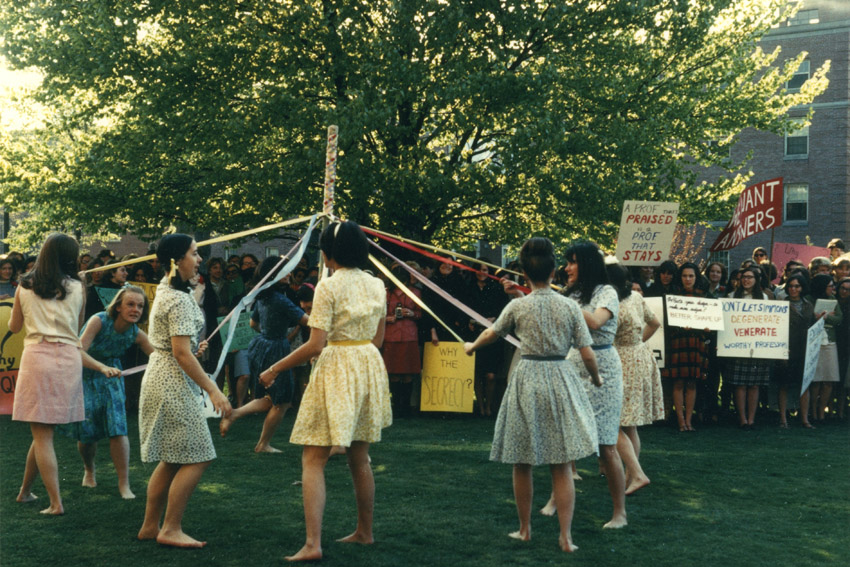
pixel 567 544
pixel 147 533
pixel 89 480
pixel 306 554
pixel 520 535
pixel 224 426
pixel 615 523
pixel 357 537
pixel 126 493
pixel 549 509
pixel 54 511
pixel 577 476
pixel 266 449
pixel 636 485
pixel 25 498
pixel 179 539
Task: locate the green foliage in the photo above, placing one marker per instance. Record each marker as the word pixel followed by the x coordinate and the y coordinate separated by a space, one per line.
pixel 457 119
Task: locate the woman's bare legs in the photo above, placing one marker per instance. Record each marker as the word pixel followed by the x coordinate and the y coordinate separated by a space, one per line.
pixel 172 484
pixel 30 473
pixel 313 461
pixel 679 402
pixel 635 477
pixel 523 493
pixel 690 402
pixel 741 404
pixel 825 395
pixel 88 451
pixel 783 406
pixel 119 450
pixel 752 404
pixel 364 492
pixel 564 494
pixel 804 410
pixel 273 419
pixel 45 459
pixel 616 485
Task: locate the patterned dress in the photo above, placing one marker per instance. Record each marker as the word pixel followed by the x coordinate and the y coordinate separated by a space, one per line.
pixel 172 426
pixel 607 400
pixel 545 417
pixel 276 314
pixel 105 397
pixel 348 397
pixel 643 402
pixel 687 357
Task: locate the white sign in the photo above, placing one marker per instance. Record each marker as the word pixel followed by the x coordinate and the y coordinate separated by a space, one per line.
pixel 817 332
pixel 754 328
pixel 646 232
pixel 656 341
pixel 694 312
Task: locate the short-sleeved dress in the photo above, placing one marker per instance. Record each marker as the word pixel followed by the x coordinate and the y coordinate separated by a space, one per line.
pixel 105 397
pixel 172 426
pixel 545 417
pixel 348 397
pixel 607 400
pixel 275 313
pixel 643 401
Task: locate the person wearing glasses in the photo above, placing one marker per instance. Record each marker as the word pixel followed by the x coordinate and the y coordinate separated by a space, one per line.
pixel 759 254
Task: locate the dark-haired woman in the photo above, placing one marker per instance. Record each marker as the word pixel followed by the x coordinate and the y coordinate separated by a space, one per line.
pixel 273 315
pixel 8 273
pixel 665 283
pixel 642 398
pixel 49 389
pixel 826 374
pixel 747 375
pixel 801 316
pixel 347 401
pixel 587 284
pixel 172 427
pixel 113 278
pixel 688 358
pixel 401 347
pixel 545 417
pixel 106 337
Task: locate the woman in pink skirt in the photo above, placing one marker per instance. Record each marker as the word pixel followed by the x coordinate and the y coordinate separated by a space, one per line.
pixel 49 388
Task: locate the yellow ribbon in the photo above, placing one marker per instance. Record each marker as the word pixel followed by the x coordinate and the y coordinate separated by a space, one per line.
pixel 412 296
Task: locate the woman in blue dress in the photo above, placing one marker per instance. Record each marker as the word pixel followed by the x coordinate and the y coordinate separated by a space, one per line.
pixel 545 417
pixel 106 337
pixel 274 314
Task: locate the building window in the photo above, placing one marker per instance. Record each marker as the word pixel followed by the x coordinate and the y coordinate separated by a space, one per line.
pixel 797 141
pixel 272 251
pixel 803 17
pixel 796 202
pixel 801 76
pixel 722 257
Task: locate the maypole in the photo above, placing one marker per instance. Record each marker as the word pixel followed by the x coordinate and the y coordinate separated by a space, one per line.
pixel 330 183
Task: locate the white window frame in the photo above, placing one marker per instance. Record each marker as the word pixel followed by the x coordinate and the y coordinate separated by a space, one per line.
pixel 803 71
pixel 802 132
pixel 804 17
pixel 786 193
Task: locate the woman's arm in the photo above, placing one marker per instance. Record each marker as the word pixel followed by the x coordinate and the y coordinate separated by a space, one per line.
pixel 92 329
pixel 144 343
pixel 312 348
pixel 378 339
pixel 486 337
pixel 596 319
pixel 93 364
pixel 589 359
pixel 650 328
pixel 16 320
pixel 181 347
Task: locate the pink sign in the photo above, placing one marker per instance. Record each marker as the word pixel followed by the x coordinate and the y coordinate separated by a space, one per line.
pixel 784 252
pixel 759 208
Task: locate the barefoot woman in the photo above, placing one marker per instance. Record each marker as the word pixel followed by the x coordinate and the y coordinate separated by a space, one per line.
pixel 347 401
pixel 172 427
pixel 49 389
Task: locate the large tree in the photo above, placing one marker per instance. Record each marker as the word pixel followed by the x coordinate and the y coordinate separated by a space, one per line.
pixel 458 118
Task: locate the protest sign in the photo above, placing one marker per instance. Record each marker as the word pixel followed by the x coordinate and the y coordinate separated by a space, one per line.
pixel 646 232
pixel 448 376
pixel 11 349
pixel 148 288
pixel 656 341
pixel 783 252
pixel 817 333
pixel 694 312
pixel 244 333
pixel 759 208
pixel 827 305
pixel 754 328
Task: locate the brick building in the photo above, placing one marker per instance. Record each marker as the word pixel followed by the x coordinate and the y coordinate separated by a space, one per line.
pixel 814 162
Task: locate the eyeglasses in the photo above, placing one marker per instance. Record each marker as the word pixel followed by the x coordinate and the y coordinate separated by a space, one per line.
pixel 794 286
pixel 759 254
pixel 844 288
pixel 748 277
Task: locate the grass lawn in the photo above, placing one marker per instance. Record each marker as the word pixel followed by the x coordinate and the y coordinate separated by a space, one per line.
pixel 770 498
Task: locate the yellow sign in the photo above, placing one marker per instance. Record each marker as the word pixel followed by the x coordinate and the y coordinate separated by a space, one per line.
pixel 448 377
pixel 11 349
pixel 148 288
